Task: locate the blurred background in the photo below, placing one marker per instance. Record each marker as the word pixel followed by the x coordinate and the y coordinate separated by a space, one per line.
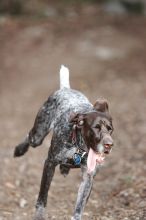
pixel 103 43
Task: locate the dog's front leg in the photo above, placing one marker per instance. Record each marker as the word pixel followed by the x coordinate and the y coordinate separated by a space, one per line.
pixel 48 173
pixel 83 194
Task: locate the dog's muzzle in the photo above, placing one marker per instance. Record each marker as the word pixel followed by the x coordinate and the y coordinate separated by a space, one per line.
pixel 106 145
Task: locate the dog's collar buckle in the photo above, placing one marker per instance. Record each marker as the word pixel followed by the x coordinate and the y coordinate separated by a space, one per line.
pixel 80 157
pixel 77 159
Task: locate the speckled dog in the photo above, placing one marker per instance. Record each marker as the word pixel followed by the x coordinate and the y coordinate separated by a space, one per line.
pixel 81 138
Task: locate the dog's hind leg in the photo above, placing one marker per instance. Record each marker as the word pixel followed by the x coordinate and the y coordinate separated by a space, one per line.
pixel 41 128
pixel 22 148
pixel 83 194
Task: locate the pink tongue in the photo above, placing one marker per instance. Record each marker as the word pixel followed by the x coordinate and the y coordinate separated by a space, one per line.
pixel 91 160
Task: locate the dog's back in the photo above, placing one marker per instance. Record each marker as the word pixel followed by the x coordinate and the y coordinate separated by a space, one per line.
pixel 55 113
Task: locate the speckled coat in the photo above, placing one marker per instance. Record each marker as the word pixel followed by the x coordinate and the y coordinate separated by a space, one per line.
pixel 56 114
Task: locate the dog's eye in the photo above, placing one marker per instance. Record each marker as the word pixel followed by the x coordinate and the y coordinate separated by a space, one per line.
pixel 81 122
pixel 98 126
pixel 109 128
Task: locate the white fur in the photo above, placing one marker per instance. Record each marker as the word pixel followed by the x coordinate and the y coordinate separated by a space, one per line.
pixel 64 77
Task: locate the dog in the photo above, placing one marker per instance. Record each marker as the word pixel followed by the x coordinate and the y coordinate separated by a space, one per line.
pixel 81 139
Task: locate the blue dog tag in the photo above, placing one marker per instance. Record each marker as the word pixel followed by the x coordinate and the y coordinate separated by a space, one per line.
pixel 77 159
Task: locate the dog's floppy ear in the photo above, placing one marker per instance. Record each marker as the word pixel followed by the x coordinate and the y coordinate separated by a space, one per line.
pixel 101 105
pixel 77 119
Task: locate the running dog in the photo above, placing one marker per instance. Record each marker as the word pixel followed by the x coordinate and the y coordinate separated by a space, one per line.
pixel 81 139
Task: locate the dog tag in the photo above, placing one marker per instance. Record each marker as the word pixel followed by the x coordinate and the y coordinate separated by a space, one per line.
pixel 77 159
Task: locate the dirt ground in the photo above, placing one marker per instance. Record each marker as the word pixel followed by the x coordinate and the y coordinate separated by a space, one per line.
pixel 106 56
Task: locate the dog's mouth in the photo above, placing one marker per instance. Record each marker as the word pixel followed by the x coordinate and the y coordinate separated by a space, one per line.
pixel 96 157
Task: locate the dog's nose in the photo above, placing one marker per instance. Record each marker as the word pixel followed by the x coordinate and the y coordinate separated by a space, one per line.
pixel 107 143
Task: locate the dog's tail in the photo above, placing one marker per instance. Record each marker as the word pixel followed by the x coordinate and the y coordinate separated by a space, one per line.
pixel 64 77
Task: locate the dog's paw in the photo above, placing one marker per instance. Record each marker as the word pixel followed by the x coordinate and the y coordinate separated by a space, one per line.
pixel 18 152
pixel 76 217
pixel 40 214
pixel 39 218
pixel 21 149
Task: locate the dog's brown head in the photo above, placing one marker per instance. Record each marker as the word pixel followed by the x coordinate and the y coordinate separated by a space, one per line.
pixel 96 127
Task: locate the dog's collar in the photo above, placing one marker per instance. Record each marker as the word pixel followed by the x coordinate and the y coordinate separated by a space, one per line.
pixel 80 156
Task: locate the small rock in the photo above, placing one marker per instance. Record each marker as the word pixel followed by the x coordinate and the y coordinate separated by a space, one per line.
pixel 22 203
pixel 17 182
pixel 9 185
pixel 24 213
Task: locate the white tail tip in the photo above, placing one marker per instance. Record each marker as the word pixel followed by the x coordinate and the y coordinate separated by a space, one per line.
pixel 64 77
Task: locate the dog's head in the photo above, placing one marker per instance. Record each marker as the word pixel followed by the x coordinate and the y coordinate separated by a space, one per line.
pixel 96 127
